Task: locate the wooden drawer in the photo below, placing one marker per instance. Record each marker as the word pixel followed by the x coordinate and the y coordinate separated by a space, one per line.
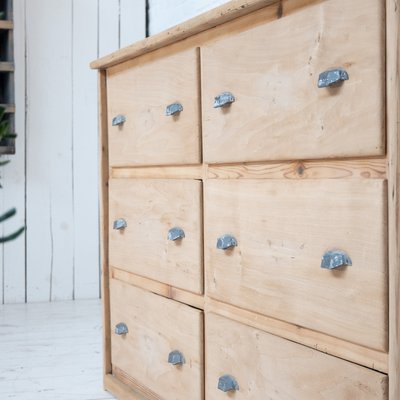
pixel 140 90
pixel 156 327
pixel 151 208
pixel 272 69
pixel 268 367
pixel 283 228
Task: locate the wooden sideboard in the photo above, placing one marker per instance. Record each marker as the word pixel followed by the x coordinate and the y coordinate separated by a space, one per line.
pixel 250 205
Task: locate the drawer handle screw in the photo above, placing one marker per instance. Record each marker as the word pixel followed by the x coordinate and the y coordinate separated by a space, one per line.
pixel 223 99
pixel 121 329
pixel 176 358
pixel 335 259
pixel 119 224
pixel 176 234
pixel 332 77
pixel 225 242
pixel 173 109
pixel 227 383
pixel 118 120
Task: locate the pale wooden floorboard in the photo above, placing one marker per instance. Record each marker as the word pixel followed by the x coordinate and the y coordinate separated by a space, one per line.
pixel 51 351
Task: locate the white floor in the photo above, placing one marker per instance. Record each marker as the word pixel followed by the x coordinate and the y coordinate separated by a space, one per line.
pixel 51 351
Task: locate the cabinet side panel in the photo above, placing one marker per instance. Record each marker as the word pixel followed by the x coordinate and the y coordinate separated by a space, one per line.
pixel 103 158
pixel 393 119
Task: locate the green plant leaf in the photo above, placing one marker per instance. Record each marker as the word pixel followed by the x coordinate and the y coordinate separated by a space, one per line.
pixel 8 214
pixel 12 236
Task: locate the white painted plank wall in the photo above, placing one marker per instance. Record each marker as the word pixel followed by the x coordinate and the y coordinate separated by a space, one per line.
pixel 53 178
pixel 165 14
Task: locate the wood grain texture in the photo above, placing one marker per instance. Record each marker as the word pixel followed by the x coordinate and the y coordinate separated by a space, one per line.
pixel 266 365
pixel 166 172
pixel 311 169
pixel 6 24
pixel 151 208
pixel 279 112
pixel 201 23
pixel 143 352
pixel 149 137
pixel 393 123
pixel 9 108
pixel 283 228
pixel 6 66
pixel 135 384
pixel 319 341
pixel 171 292
pixel 121 390
pixel 104 216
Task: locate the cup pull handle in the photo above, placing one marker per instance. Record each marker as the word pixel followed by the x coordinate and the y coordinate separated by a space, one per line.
pixel 118 120
pixel 121 329
pixel 119 224
pixel 223 99
pixel 225 242
pixel 332 77
pixel 176 234
pixel 335 259
pixel 176 358
pixel 173 109
pixel 227 383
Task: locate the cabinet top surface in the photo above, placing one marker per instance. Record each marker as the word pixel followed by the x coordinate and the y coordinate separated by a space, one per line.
pixel 217 16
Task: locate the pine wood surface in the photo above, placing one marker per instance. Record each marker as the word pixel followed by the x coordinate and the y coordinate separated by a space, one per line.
pixel 279 112
pixel 157 326
pixel 266 366
pixel 104 212
pixel 283 228
pixel 151 208
pixel 357 329
pixel 163 289
pixel 141 90
pixel 201 23
pixel 393 123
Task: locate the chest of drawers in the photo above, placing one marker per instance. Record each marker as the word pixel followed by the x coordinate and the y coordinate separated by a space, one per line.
pixel 250 205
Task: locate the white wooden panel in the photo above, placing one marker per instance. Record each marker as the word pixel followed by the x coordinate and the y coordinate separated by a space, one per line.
pixel 13 175
pixel 164 14
pixel 85 149
pixel 49 156
pixel 132 21
pixel 109 26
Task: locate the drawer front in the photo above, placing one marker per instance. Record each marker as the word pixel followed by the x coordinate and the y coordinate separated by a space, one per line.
pixel 157 327
pixel 141 90
pixel 268 367
pixel 282 229
pixel 154 212
pixel 272 69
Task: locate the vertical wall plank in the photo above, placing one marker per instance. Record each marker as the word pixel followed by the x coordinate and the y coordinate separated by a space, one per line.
pixel 85 150
pixel 49 150
pixel 132 21
pixel 109 26
pixel 164 14
pixel 13 174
